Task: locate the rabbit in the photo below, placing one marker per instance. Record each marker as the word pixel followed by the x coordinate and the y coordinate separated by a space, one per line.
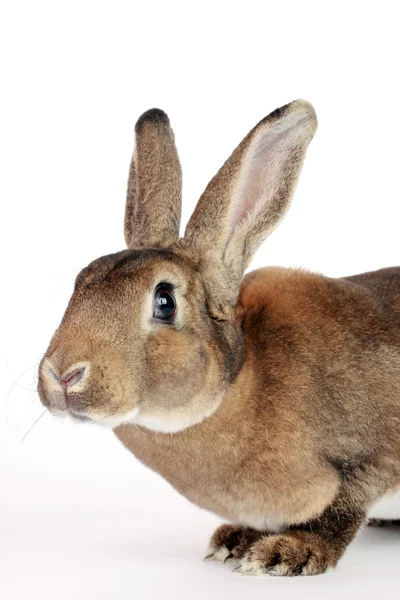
pixel 271 399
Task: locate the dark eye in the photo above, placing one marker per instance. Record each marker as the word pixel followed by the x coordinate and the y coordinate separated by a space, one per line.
pixel 164 304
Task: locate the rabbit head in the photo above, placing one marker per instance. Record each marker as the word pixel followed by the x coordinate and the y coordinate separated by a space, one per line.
pixel 150 335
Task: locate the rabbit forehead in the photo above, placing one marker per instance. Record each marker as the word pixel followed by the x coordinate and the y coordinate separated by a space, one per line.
pixel 133 262
pixel 135 272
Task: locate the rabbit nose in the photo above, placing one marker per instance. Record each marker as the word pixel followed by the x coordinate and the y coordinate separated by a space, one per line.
pixel 72 377
pixel 67 379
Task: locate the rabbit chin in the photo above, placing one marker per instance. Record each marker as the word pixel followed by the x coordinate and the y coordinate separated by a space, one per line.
pixel 172 421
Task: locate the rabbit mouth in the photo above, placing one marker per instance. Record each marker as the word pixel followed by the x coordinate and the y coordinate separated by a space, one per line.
pixel 63 414
pixel 109 421
pixel 105 420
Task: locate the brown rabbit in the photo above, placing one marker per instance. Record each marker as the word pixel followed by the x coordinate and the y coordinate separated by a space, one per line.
pixel 273 401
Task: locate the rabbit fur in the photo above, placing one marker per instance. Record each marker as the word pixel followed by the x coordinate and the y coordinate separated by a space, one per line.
pixel 271 400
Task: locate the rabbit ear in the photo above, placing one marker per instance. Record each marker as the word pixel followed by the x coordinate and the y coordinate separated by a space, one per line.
pixel 250 194
pixel 153 203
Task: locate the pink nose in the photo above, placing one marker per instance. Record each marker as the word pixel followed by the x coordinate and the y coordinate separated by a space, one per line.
pixel 72 378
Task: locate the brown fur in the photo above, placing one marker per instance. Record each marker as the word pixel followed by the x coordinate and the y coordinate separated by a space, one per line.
pixel 235 538
pixel 153 202
pixel 276 406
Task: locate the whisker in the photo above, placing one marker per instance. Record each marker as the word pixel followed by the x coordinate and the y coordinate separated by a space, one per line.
pixel 32 426
pixel 15 383
pixel 22 387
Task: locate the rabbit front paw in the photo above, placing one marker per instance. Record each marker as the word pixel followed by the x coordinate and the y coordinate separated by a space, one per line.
pixel 288 554
pixel 231 542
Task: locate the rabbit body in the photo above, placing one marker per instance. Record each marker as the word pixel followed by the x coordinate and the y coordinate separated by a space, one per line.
pixel 273 400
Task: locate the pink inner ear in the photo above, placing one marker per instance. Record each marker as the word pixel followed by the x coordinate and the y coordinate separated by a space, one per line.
pixel 263 170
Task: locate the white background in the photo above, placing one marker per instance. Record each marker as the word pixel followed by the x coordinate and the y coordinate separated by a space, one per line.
pixel 79 516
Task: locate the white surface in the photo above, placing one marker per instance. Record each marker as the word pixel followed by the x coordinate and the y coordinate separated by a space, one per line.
pixel 97 535
pixel 80 517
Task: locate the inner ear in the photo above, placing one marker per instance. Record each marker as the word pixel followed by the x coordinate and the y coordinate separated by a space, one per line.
pixel 249 196
pixel 264 166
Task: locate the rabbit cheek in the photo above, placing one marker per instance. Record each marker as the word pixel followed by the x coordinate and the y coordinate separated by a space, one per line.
pixel 178 374
pixel 176 367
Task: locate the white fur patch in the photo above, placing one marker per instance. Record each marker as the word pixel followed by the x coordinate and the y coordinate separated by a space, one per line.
pixel 172 421
pixel 98 418
pixel 112 421
pixel 220 554
pixel 251 567
pixel 268 523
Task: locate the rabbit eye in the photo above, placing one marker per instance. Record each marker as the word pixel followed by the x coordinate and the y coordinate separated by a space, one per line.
pixel 164 303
